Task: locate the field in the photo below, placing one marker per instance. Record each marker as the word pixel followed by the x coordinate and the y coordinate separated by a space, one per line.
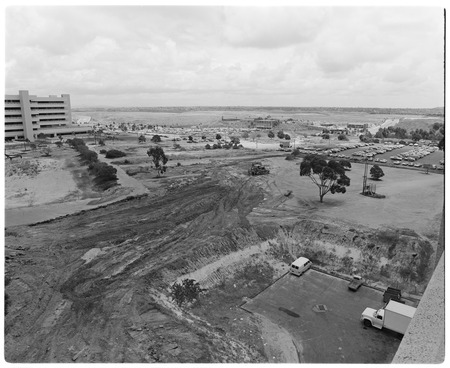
pixel 94 286
pixel 213 118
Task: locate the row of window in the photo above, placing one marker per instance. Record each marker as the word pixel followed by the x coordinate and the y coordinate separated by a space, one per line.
pixel 50 102
pixel 48 108
pixel 54 119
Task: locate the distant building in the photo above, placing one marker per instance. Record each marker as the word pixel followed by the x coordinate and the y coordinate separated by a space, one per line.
pixel 264 123
pixel 359 127
pixel 26 116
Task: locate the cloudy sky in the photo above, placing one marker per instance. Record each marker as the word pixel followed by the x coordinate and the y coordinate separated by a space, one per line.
pixel 274 56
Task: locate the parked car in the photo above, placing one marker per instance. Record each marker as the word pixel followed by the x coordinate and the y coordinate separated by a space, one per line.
pixel 355 284
pixel 300 266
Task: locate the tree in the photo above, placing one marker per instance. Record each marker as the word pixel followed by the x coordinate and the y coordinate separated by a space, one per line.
pixel 142 139
pixel 46 151
pixel 235 140
pixel 376 172
pixel 156 138
pixel 325 136
pixel 271 134
pixel 244 135
pixel 427 167
pixel 186 291
pixel 287 137
pixel 329 176
pixel 346 164
pixel 280 134
pixel 218 136
pixel 190 138
pixel 159 159
pixel 441 144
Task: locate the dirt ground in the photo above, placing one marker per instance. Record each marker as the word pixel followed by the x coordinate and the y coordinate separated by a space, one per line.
pixel 94 286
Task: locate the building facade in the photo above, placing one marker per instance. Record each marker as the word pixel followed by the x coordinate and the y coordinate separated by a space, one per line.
pixel 27 116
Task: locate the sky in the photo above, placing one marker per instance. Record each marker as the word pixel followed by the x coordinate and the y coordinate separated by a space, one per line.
pixel 122 56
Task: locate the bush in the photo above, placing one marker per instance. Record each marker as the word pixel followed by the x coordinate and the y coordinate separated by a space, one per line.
pixel 76 143
pixel 88 156
pixel 342 137
pixel 156 138
pixel 105 175
pixel 115 154
pixel 208 146
pixel 186 292
pixel 103 151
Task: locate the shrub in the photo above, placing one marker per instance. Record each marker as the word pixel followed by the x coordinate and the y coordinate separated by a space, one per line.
pixel 186 292
pixel 76 143
pixel 156 138
pixel 115 154
pixel 88 156
pixel 105 175
pixel 103 151
pixel 208 146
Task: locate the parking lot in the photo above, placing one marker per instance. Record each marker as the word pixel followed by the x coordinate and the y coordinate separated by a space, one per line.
pixel 322 316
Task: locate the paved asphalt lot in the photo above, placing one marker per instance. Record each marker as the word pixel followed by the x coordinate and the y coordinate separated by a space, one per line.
pixel 332 336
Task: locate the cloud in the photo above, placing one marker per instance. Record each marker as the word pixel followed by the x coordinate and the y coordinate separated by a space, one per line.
pixel 323 56
pixel 272 27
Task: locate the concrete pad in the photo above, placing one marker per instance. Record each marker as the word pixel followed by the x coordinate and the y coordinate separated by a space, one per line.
pixel 323 318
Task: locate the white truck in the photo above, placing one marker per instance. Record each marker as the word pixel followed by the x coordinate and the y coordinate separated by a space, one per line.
pixel 394 316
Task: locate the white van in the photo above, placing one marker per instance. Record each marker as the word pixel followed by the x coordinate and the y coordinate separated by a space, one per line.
pixel 299 266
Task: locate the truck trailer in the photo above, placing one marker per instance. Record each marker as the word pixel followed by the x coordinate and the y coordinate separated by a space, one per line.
pixel 394 316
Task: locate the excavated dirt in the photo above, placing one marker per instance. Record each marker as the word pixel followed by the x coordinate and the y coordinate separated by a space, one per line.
pixel 93 287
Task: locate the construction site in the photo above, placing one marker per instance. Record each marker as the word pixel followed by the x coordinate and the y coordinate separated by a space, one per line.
pixel 94 285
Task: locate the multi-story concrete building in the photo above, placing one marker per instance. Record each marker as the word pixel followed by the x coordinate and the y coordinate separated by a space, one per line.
pixel 27 116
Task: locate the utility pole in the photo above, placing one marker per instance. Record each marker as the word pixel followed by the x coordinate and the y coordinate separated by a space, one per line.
pixel 365 176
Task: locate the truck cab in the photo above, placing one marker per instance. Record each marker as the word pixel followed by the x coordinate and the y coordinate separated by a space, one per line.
pixel 372 317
